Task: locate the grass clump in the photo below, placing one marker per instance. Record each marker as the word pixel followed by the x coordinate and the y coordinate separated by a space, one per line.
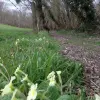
pixel 38 55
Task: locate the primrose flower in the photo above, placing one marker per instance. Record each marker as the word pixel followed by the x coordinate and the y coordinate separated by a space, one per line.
pixel 47 41
pixel 25 78
pixel 9 87
pixel 40 39
pixel 1 64
pixel 29 84
pixel 17 70
pixel 51 75
pixel 32 93
pixel 58 72
pixel 52 81
pixel 51 78
pixel 44 38
pixel 97 97
pixel 17 41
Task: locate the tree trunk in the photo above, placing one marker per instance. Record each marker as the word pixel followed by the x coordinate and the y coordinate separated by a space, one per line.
pixel 34 18
pixel 40 14
pixel 51 14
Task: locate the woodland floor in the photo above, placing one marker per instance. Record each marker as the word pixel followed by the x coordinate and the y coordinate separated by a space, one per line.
pixel 85 49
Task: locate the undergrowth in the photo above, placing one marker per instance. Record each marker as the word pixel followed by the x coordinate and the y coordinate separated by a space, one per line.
pixel 38 55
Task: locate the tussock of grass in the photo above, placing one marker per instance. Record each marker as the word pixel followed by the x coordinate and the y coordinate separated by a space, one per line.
pixel 38 55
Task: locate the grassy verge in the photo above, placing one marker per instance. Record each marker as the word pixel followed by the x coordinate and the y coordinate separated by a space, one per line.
pixel 37 55
pixel 89 42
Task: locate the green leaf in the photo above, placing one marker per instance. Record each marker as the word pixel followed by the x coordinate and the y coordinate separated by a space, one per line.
pixel 67 97
pixel 6 97
pixel 53 93
pixel 43 85
pixel 19 96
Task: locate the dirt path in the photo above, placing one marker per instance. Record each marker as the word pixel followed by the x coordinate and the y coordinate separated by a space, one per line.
pixel 85 53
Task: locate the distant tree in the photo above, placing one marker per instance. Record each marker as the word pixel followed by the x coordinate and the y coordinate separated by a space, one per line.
pixel 84 10
pixel 1 10
pixel 17 18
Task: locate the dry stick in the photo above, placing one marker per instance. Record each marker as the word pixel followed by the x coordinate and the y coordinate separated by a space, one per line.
pixel 14 5
pixel 95 84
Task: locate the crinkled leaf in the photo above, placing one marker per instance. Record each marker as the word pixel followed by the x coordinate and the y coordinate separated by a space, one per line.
pixel 67 97
pixel 53 93
pixel 6 97
pixel 43 85
pixel 19 96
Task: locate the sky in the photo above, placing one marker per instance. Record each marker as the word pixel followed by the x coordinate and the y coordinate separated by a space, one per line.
pixel 97 1
pixel 10 5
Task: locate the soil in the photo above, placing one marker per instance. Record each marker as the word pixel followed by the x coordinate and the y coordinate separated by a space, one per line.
pixel 85 50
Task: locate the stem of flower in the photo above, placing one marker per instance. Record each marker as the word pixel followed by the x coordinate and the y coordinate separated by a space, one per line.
pixel 61 87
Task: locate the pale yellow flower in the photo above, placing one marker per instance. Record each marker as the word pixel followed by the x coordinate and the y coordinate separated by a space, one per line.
pixel 17 41
pixel 52 74
pixel 9 87
pixel 44 38
pixel 25 78
pixel 58 72
pixel 40 39
pixel 52 81
pixel 17 70
pixel 32 93
pixel 51 78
